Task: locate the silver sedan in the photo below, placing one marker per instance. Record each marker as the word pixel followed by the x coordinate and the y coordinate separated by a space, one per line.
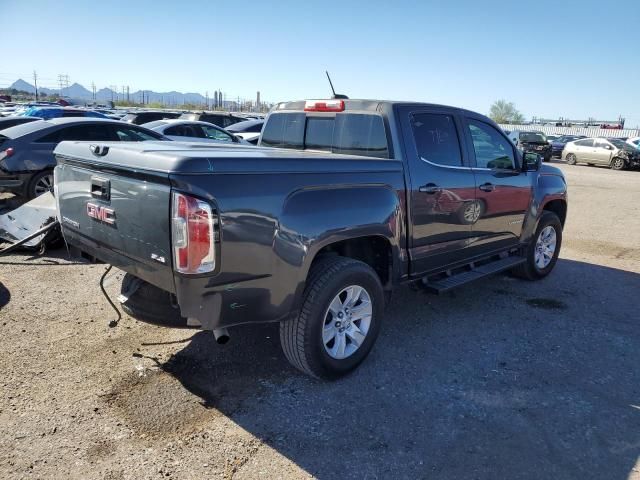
pixel 193 131
pixel 610 152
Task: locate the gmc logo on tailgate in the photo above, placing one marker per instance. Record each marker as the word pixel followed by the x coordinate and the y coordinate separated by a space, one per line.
pixel 103 214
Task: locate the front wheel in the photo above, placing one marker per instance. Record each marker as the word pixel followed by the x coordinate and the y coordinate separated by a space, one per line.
pixel 542 251
pixel 339 320
pixel 617 163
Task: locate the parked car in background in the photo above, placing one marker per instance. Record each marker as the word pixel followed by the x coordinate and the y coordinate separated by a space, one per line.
pixel 142 117
pixel 26 151
pixel 12 121
pixel 611 152
pixel 248 130
pixel 634 141
pixel 187 131
pixel 221 119
pixel 531 141
pixel 47 113
pixel 558 145
pixel 551 138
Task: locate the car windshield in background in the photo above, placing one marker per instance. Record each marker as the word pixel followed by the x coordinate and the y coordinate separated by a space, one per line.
pixel 346 133
pixel 619 143
pixel 532 137
pixel 154 124
pixel 249 126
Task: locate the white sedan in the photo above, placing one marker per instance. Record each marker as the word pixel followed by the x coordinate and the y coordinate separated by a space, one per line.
pixel 192 131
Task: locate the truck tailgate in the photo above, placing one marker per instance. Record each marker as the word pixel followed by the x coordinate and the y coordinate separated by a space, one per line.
pixel 120 216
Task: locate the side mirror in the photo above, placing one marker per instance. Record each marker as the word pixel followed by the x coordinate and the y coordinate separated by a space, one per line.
pixel 531 162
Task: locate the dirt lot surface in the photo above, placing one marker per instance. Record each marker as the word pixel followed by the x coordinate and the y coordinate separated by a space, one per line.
pixel 501 379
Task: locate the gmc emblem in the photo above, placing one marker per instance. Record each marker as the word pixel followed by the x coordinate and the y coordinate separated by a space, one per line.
pixel 103 214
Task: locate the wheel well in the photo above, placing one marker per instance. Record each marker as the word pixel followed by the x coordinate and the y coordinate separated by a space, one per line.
pixel 559 207
pixel 375 251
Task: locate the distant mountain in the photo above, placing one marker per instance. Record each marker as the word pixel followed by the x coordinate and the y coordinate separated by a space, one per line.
pixel 79 92
pixel 23 86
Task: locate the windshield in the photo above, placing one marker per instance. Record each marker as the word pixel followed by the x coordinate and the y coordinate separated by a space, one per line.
pixel 532 137
pixel 25 129
pixel 157 123
pixel 618 143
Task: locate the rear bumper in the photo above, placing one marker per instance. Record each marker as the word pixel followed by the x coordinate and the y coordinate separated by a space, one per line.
pixel 215 301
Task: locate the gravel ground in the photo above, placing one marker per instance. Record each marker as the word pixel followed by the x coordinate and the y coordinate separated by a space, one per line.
pixel 500 379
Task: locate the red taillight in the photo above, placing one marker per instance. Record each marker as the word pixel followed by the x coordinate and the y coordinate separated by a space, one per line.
pixel 324 106
pixel 193 235
pixel 6 153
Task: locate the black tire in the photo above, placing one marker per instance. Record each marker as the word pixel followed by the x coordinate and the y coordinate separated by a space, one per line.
pixel 618 163
pixel 301 337
pixel 35 184
pixel 529 270
pixel 150 304
pixel 571 159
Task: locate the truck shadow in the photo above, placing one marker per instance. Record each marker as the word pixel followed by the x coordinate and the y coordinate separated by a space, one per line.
pixel 501 379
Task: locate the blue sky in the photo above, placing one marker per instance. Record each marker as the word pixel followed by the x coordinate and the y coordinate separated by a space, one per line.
pixel 551 58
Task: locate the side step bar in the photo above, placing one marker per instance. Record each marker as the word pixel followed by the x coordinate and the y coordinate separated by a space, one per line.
pixel 451 281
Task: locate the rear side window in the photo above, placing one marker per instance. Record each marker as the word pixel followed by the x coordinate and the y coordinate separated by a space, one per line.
pixel 346 133
pixel 436 139
pixel 80 133
pixel 284 130
pixel 585 143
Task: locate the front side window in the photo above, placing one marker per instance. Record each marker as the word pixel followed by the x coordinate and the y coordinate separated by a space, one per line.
pixel 216 134
pixel 492 149
pixel 436 139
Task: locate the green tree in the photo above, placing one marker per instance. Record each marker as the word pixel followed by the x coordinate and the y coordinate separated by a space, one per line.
pixel 505 112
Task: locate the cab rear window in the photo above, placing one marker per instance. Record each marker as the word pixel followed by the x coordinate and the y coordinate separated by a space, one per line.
pixel 346 133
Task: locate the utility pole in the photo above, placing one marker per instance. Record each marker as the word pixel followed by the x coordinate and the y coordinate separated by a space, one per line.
pixel 114 89
pixel 206 96
pixel 127 93
pixel 63 82
pixel 93 89
pixel 35 83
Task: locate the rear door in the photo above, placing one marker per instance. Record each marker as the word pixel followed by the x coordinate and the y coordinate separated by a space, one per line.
pixel 442 190
pixel 584 150
pixel 503 192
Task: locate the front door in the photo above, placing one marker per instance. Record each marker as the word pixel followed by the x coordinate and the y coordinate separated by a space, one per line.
pixel 601 152
pixel 503 190
pixel 442 190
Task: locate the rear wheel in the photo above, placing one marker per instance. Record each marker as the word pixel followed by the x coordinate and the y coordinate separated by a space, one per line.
pixel 41 182
pixel 618 163
pixel 339 320
pixel 470 212
pixel 542 251
pixel 571 159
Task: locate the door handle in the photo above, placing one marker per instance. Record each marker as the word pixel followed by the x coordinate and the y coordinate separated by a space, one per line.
pixel 430 188
pixel 487 187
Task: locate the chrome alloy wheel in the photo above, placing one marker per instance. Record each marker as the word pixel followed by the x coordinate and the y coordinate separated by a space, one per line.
pixel 347 322
pixel 44 185
pixel 545 247
pixel 472 212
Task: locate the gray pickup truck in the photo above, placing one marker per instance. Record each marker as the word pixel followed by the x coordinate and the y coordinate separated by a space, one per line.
pixel 341 201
